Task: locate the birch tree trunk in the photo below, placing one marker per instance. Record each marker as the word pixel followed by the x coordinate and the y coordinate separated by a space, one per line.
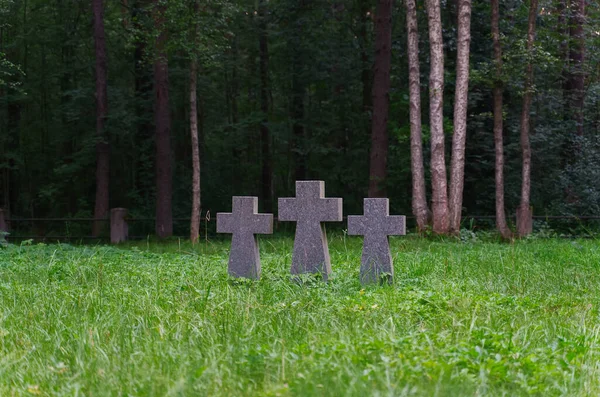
pixel 501 224
pixel 439 188
pixel 196 191
pixel 381 98
pixel 524 213
pixel 461 99
pixel 419 199
pixel 102 146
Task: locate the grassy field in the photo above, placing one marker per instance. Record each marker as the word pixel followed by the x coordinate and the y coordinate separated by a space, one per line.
pixel 165 320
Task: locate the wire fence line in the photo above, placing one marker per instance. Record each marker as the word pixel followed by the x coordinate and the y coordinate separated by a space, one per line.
pixel 202 219
pixel 77 228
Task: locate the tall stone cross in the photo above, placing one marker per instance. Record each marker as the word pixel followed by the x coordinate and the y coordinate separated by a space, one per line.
pixel 244 222
pixel 308 210
pixel 376 225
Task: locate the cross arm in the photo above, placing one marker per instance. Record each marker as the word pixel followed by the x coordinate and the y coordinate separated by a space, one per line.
pixel 396 225
pixel 225 222
pixel 287 209
pixel 356 225
pixel 330 210
pixel 262 224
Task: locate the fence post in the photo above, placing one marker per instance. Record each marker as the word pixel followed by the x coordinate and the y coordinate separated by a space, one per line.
pixel 119 230
pixel 3 222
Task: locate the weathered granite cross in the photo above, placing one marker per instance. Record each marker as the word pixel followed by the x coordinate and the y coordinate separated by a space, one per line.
pixel 308 210
pixel 244 222
pixel 376 225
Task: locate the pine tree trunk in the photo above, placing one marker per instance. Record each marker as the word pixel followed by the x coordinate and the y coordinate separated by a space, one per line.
pixel 563 32
pixel 232 93
pixel 439 186
pixel 196 192
pixel 6 190
pixel 381 98
pixel 5 134
pixel 298 139
pixel 162 119
pixel 367 92
pixel 461 99
pixel 102 146
pixel 298 123
pixel 498 91
pixel 576 77
pixel 419 198
pixel 265 136
pixel 143 160
pixel 524 213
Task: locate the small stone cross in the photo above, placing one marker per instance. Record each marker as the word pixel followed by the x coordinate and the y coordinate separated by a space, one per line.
pixel 244 222
pixel 308 210
pixel 376 225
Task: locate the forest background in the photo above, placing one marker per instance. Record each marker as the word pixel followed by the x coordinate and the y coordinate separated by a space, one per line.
pixel 108 103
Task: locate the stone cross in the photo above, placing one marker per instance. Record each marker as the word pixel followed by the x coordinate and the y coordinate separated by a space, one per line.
pixel 308 210
pixel 244 222
pixel 376 225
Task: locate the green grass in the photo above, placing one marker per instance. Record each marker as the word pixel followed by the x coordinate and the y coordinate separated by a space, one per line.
pixel 165 320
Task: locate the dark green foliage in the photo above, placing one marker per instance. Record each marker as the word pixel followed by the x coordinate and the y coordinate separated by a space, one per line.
pixel 317 54
pixel 3 242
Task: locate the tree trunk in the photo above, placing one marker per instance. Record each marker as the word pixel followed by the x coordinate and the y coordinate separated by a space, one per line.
pixel 102 146
pixel 563 32
pixel 439 186
pixel 231 91
pixel 461 101
pixel 164 216
pixel 298 143
pixel 366 78
pixel 5 140
pixel 143 163
pixel 298 125
pixel 6 191
pixel 524 213
pixel 381 98
pixel 125 13
pixel 576 76
pixel 196 192
pixel 501 224
pixel 419 198
pixel 265 136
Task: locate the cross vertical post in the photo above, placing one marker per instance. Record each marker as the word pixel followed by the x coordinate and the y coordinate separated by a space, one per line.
pixel 309 209
pixel 376 225
pixel 244 222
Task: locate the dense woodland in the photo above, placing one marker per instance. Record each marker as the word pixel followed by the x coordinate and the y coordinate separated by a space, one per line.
pixel 446 107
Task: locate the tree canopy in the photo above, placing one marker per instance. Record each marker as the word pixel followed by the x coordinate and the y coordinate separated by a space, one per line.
pixel 311 103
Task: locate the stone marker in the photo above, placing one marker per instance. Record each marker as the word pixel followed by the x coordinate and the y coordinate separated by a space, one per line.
pixel 119 230
pixel 244 222
pixel 308 210
pixel 376 225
